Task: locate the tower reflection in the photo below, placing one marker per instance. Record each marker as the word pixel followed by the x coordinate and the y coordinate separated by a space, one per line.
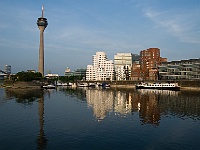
pixel 27 97
pixel 41 139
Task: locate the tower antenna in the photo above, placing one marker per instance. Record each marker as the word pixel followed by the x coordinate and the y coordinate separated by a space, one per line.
pixel 42 10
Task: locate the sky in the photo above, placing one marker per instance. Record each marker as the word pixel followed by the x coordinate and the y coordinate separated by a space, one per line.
pixel 77 29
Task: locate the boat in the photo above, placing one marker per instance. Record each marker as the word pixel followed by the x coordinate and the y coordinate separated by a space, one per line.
pixel 49 86
pixel 69 84
pixel 93 85
pixel 105 85
pixel 62 84
pixel 82 85
pixel 160 86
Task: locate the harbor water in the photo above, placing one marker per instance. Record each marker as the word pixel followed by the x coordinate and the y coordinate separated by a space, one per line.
pixel 96 118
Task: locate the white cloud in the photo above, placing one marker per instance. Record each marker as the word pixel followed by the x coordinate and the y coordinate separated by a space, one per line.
pixel 94 39
pixel 182 25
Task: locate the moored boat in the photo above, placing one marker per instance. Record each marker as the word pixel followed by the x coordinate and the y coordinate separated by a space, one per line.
pixel 82 85
pixel 63 84
pixel 160 86
pixel 49 86
pixel 93 85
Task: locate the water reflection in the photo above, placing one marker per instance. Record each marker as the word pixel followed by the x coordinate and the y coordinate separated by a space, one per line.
pixel 79 93
pixel 150 105
pixel 101 101
pixel 23 96
pixel 28 97
pixel 41 139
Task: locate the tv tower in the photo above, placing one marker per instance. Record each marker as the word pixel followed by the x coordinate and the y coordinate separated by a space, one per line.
pixel 42 24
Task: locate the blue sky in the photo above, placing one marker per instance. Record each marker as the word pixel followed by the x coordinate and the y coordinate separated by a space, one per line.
pixel 79 28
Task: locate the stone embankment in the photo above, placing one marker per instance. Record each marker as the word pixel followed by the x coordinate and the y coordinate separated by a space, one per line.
pixel 185 84
pixel 22 85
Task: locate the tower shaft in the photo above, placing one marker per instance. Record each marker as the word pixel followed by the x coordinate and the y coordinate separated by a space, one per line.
pixel 41 52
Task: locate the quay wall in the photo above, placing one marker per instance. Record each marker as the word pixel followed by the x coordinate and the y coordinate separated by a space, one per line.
pixel 185 84
pixel 21 85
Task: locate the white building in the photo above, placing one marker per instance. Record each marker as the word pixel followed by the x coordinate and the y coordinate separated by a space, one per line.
pixel 102 68
pixel 7 69
pixel 50 75
pixel 123 63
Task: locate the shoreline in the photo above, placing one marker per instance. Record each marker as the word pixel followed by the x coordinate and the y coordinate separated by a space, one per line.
pixel 133 87
pixel 190 89
pixel 31 86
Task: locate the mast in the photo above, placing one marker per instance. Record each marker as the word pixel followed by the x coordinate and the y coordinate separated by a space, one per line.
pixel 42 10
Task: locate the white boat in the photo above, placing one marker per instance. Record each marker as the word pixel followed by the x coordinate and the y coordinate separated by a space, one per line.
pixel 93 85
pixel 160 86
pixel 82 85
pixel 49 86
pixel 70 84
pixel 62 84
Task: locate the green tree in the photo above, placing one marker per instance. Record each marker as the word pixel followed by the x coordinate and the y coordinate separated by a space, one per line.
pixel 28 76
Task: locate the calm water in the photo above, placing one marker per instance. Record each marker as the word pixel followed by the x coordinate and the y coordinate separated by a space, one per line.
pixel 99 119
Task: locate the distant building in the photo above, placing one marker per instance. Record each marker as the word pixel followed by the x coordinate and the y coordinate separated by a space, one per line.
pixel 68 70
pixel 76 73
pixel 180 70
pixel 7 69
pixel 51 76
pixel 34 71
pixel 102 68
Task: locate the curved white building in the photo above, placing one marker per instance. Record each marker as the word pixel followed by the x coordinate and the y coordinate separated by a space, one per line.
pixel 102 68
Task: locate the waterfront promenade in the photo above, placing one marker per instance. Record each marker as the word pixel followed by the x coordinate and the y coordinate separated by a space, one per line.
pixel 185 85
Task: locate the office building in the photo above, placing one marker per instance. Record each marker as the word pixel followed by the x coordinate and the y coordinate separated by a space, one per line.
pixel 122 64
pixel 77 73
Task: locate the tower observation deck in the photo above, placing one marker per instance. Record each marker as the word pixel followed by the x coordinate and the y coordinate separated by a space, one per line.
pixel 42 24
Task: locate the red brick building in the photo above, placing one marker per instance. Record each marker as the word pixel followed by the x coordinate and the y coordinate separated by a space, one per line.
pixel 149 61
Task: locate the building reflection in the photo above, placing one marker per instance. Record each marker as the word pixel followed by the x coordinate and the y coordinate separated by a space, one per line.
pixel 148 104
pixel 101 101
pixel 27 97
pixel 122 103
pixel 149 111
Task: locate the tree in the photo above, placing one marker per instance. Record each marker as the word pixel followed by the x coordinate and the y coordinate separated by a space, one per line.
pixel 28 76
